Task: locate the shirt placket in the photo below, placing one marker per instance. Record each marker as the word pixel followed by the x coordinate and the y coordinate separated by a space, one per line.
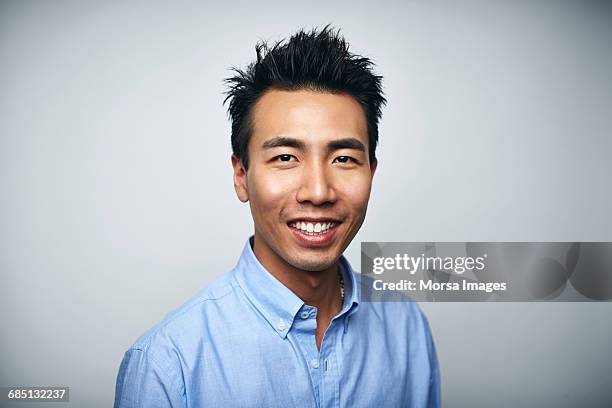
pixel 330 374
pixel 321 364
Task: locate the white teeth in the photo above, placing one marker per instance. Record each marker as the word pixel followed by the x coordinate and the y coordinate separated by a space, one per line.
pixel 313 228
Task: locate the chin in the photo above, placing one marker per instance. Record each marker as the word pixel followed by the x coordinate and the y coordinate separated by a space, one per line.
pixel 314 264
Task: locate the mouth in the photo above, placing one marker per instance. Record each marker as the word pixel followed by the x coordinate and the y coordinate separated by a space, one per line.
pixel 314 232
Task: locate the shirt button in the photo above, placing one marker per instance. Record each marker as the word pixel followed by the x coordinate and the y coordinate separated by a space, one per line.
pixel 314 363
pixel 305 315
pixel 281 326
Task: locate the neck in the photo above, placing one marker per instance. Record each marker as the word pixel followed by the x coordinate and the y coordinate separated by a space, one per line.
pixel 320 289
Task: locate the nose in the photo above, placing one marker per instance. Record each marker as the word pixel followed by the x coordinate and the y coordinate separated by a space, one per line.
pixel 316 186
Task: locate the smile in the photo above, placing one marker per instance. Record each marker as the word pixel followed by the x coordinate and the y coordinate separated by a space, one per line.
pixel 310 233
pixel 312 228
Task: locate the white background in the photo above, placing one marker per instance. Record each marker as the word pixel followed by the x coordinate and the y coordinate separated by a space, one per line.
pixel 116 198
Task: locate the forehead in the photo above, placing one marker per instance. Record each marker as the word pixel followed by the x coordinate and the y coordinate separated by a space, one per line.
pixel 308 115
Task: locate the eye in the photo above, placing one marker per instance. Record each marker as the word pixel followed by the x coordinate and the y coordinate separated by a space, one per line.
pixel 344 159
pixel 284 157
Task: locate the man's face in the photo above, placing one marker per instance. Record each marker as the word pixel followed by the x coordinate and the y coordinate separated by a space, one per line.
pixel 309 177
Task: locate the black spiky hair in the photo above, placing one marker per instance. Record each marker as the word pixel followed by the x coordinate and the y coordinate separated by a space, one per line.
pixel 315 60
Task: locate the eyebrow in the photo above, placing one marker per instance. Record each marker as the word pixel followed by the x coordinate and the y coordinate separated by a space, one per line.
pixel 283 141
pixel 346 143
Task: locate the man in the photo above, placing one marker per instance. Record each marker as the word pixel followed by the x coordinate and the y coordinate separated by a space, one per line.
pixel 286 327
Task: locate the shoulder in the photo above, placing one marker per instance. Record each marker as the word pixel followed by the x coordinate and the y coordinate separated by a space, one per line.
pixel 392 307
pixel 151 369
pixel 187 323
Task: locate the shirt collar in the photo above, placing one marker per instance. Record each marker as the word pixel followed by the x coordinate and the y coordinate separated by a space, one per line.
pixel 277 303
pixel 351 287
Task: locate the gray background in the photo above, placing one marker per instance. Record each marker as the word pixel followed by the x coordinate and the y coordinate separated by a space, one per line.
pixel 117 202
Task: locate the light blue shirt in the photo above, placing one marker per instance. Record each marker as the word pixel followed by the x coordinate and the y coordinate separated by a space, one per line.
pixel 248 341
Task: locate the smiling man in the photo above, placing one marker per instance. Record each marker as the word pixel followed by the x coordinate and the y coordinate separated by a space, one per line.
pixel 286 327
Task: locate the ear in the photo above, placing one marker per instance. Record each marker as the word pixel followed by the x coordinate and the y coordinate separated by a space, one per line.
pixel 373 166
pixel 240 182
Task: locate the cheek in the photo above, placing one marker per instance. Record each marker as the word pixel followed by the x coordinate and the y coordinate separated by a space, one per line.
pixel 269 191
pixel 356 192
